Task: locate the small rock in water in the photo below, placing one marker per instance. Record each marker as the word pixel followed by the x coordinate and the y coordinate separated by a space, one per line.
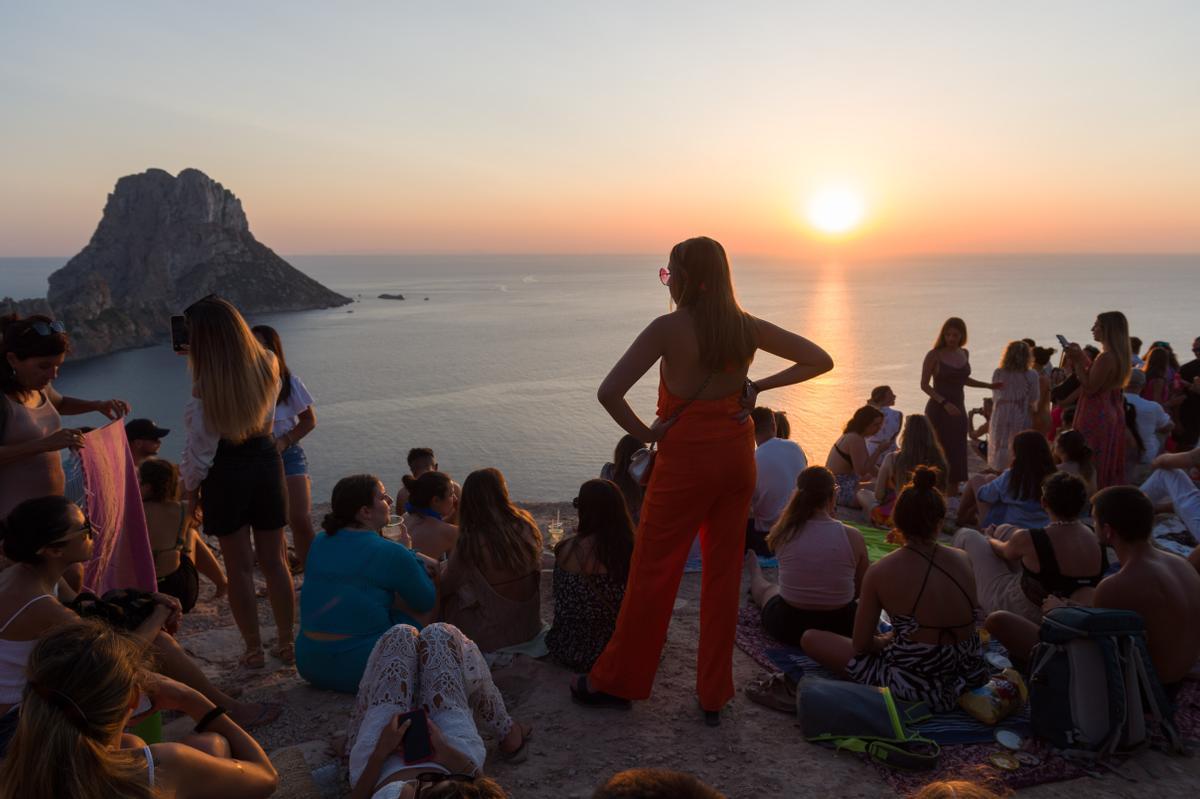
pixel 391 296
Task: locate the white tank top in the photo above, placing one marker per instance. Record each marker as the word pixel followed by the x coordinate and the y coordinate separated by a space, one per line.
pixel 816 567
pixel 14 657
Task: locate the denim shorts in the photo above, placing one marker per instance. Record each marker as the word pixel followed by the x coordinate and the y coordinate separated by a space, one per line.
pixel 295 462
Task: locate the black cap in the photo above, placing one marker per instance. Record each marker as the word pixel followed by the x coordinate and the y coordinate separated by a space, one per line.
pixel 137 429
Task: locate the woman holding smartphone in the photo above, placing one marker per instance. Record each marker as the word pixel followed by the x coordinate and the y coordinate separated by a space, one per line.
pixel 231 466
pixel 703 475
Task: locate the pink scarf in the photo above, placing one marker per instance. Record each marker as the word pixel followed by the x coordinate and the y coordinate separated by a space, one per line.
pixel 121 554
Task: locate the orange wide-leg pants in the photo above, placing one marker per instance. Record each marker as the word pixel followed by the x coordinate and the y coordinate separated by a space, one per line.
pixel 703 480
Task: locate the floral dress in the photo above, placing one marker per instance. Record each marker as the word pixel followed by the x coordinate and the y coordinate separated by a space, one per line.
pixel 585 615
pixel 1101 419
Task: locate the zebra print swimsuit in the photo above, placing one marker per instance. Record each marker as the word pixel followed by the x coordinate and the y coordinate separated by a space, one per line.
pixel 936 674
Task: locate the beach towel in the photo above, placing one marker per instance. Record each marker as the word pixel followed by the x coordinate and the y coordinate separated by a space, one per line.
pixel 121 555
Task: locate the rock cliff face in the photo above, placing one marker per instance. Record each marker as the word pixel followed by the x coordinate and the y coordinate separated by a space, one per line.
pixel 163 243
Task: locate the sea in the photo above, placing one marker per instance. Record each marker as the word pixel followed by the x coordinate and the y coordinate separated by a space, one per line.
pixel 494 360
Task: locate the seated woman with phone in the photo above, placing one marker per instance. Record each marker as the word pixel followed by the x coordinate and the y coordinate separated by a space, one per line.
pixel 413 724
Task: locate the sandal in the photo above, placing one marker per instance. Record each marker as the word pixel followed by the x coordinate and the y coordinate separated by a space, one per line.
pixel 774 691
pixel 521 753
pixel 253 659
pixel 285 653
pixel 585 696
pixel 269 712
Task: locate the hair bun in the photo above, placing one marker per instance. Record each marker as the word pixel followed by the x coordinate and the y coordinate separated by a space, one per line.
pixel 409 481
pixel 925 477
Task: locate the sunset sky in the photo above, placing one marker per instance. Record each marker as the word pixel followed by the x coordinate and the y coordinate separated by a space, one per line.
pixel 614 127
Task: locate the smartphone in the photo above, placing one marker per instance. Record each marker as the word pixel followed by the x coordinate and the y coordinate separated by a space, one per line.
pixel 1063 340
pixel 418 747
pixel 179 333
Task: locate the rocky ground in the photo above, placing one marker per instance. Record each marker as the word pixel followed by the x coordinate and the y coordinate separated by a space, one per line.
pixel 755 752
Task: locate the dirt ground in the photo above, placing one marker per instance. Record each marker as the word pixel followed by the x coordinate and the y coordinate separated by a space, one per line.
pixel 755 752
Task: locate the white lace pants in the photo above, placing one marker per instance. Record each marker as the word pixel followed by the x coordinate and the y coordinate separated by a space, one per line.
pixel 438 669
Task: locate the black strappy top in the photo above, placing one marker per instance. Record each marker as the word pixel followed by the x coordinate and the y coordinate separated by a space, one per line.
pixel 845 457
pixel 1049 580
pixel 947 630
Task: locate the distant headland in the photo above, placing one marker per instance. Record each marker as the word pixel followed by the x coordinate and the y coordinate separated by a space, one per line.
pixel 162 243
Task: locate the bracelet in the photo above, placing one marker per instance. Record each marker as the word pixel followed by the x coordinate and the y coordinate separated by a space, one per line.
pixel 209 718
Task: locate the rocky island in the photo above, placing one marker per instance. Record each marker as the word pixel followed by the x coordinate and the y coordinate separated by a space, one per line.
pixel 163 242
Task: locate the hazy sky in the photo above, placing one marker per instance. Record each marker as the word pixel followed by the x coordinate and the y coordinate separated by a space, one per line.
pixel 613 127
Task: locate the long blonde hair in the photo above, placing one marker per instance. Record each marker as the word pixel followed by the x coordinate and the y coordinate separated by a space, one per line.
pixel 1114 335
pixel 918 447
pixel 1017 357
pixel 82 679
pixel 236 378
pixel 724 332
pixel 492 530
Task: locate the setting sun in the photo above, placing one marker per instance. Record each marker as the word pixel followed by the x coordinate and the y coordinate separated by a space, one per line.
pixel 836 209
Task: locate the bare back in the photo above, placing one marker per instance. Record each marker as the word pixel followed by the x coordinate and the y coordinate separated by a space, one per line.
pixel 1165 590
pixel 681 368
pixel 945 605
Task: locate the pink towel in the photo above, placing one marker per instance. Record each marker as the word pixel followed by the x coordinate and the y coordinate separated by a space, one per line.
pixel 121 556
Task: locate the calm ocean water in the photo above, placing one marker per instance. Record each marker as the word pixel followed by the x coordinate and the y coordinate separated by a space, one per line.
pixel 499 367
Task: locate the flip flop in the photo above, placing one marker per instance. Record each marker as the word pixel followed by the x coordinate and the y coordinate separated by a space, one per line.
pixel 773 691
pixel 254 659
pixel 521 753
pixel 285 653
pixel 270 712
pixel 589 698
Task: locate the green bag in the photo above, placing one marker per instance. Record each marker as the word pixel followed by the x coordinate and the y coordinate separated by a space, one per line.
pixel 865 718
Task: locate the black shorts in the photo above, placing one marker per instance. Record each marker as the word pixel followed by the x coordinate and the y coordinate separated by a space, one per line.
pixel 787 624
pixel 244 486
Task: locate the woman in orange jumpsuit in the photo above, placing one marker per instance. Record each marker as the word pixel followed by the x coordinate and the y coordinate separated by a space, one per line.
pixel 703 475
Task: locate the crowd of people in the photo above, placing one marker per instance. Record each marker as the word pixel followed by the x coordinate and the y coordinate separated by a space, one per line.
pixel 405 602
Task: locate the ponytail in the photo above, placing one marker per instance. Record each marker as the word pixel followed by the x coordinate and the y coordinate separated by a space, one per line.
pixel 815 486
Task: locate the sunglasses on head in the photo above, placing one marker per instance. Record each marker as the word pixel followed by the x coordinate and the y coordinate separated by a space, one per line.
pixel 206 298
pixel 45 328
pixel 437 778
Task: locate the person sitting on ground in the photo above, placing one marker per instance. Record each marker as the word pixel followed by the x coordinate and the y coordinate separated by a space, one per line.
pixel 420 460
pixel 358 585
pixel 1015 496
pixel 821 565
pixel 783 425
pixel 1016 569
pixel 654 783
pixel 145 439
pixel 431 499
pixel 491 585
pixel 779 462
pixel 441 672
pixel 1161 587
pixel 1073 456
pixel 883 442
pixel 43 537
pixel 958 789
pixel 85 682
pixel 618 472
pixel 933 652
pixel 1172 490
pixel 849 459
pixel 180 554
pixel 1153 424
pixel 918 447
pixel 590 570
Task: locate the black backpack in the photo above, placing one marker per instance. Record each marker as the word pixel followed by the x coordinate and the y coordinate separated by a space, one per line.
pixel 1092 683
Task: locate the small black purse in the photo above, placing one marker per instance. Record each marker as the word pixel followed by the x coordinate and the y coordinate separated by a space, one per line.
pixel 123 608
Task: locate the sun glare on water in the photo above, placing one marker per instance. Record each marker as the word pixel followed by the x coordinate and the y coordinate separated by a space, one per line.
pixel 836 210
